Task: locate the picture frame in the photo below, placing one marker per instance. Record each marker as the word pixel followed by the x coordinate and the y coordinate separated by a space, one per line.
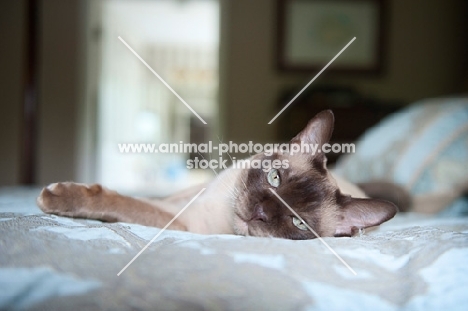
pixel 311 32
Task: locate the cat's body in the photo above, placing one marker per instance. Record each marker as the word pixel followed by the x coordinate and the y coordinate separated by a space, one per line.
pixel 241 201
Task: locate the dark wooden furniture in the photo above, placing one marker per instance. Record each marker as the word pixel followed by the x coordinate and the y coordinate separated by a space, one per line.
pixel 354 113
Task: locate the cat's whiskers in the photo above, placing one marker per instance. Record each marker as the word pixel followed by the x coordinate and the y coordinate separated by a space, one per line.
pixel 232 161
pixel 230 189
pixel 240 177
pixel 233 181
pixel 233 199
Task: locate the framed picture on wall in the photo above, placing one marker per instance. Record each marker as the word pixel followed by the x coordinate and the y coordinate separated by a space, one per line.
pixel 312 32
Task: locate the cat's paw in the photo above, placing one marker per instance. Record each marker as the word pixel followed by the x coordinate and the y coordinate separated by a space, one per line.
pixel 68 198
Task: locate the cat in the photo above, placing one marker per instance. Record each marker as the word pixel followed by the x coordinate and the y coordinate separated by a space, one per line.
pixel 241 201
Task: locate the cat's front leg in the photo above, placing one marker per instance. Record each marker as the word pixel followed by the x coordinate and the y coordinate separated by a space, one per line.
pixel 96 202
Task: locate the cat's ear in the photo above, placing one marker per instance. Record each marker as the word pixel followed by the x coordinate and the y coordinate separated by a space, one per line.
pixel 318 130
pixel 357 214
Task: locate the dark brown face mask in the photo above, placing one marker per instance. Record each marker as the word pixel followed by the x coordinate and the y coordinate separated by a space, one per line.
pixel 307 188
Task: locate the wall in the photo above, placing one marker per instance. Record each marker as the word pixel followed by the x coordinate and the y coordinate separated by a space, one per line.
pixel 11 75
pixel 59 71
pixel 59 90
pixel 426 57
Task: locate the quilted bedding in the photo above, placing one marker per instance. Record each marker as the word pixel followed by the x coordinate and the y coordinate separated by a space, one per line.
pixel 412 262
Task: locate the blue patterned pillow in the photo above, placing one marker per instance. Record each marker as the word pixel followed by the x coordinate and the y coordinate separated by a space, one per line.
pixel 424 148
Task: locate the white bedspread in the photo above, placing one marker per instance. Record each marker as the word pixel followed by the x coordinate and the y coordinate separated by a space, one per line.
pixel 413 262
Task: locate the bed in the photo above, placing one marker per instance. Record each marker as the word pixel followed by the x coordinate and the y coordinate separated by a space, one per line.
pixel 412 262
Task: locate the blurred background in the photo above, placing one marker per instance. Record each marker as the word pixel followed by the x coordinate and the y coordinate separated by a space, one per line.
pixel 71 91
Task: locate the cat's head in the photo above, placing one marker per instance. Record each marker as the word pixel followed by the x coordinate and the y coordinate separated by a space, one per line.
pixel 308 188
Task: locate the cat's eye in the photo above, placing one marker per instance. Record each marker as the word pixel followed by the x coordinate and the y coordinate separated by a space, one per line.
pixel 299 224
pixel 273 177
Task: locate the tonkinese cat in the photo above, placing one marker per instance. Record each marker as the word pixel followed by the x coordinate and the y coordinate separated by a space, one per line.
pixel 240 201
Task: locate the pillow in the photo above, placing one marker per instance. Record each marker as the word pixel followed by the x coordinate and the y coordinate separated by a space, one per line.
pixel 423 148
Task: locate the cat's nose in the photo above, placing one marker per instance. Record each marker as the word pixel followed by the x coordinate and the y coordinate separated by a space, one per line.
pixel 259 213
